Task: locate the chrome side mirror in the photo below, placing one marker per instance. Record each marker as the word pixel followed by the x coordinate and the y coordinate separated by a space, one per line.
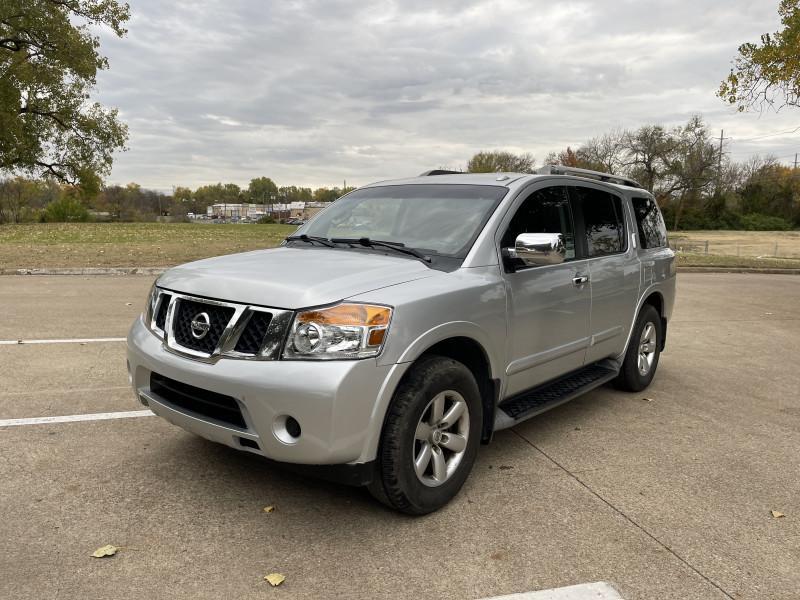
pixel 539 249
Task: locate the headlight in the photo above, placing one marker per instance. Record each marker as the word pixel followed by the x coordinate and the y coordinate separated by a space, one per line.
pixel 341 331
pixel 149 309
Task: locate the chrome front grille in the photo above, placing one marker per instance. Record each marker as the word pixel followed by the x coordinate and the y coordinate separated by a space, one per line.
pixel 252 337
pixel 213 317
pixel 207 329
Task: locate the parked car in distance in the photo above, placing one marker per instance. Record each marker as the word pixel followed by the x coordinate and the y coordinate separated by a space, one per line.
pixel 400 328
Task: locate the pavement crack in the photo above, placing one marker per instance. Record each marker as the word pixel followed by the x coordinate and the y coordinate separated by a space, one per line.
pixel 623 515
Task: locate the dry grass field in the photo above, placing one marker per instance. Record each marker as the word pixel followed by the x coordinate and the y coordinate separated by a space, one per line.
pixel 128 244
pixel 73 245
pixel 766 244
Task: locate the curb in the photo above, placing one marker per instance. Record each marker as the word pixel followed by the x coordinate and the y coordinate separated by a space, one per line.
pixel 599 590
pixel 761 270
pixel 88 271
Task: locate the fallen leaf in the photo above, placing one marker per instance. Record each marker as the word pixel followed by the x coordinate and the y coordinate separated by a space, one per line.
pixel 127 304
pixel 275 579
pixel 647 399
pixel 105 551
pixel 505 467
pixel 777 514
pixel 269 509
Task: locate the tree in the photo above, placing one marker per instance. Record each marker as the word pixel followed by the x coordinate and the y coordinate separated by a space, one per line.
pixel 604 153
pixel 498 161
pixel 693 169
pixel 648 154
pixel 326 194
pixel 182 194
pixel 262 190
pixel 293 193
pixel 770 71
pixel 216 193
pixel 569 158
pixel 48 66
pixel 16 197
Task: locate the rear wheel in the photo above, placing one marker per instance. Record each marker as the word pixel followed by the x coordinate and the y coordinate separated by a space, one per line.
pixel 430 437
pixel 644 350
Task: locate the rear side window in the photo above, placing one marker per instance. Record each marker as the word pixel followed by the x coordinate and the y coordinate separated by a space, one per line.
pixel 652 231
pixel 602 219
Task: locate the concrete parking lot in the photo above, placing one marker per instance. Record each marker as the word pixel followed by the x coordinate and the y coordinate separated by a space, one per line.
pixel 666 494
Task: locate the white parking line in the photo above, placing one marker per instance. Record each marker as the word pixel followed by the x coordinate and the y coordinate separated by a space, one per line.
pixel 61 341
pixel 599 590
pixel 127 414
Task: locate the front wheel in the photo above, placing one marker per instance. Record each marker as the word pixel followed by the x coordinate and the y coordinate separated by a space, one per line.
pixel 644 350
pixel 430 437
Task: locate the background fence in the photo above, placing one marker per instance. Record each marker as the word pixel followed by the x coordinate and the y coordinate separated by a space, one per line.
pixel 758 244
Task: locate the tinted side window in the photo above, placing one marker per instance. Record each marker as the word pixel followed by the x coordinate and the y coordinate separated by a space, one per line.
pixel 544 211
pixel 652 230
pixel 602 218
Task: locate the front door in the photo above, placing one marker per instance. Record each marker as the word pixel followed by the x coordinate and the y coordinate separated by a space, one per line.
pixel 549 305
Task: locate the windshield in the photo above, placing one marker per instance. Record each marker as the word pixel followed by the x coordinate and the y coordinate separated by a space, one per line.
pixel 440 219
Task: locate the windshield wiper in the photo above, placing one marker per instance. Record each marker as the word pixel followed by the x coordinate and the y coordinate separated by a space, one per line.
pixel 310 239
pixel 396 246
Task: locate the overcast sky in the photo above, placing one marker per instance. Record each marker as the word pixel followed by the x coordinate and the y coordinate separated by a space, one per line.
pixel 313 92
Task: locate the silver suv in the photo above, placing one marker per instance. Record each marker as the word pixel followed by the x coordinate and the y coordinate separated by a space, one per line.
pixel 410 320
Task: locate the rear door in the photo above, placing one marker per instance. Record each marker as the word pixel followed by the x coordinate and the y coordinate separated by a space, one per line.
pixel 603 231
pixel 548 306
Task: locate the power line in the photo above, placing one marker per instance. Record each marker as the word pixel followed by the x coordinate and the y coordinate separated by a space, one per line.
pixel 766 135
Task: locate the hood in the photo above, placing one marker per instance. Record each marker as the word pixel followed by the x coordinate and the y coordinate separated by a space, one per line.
pixel 290 277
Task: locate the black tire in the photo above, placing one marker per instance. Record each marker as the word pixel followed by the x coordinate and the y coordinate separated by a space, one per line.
pixel 630 378
pixel 396 483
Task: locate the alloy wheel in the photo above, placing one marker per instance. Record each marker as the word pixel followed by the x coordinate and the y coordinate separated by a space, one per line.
pixel 440 439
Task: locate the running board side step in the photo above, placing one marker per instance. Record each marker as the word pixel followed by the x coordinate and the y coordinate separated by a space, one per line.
pixel 553 393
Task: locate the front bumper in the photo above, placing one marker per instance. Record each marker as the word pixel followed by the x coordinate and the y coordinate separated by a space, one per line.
pixel 339 404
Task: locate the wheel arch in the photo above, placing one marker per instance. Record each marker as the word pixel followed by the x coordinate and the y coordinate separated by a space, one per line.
pixel 471 345
pixel 472 355
pixel 656 300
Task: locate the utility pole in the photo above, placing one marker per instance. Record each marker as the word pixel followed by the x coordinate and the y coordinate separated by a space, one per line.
pixel 719 161
pixel 795 161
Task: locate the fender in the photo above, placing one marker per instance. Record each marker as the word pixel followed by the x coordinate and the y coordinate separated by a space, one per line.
pixel 649 290
pixel 414 350
pixel 453 329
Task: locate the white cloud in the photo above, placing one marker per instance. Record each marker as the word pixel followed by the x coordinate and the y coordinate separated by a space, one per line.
pixel 311 92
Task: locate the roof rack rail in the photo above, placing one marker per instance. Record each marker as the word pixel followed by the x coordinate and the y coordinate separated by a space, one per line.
pixel 439 172
pixel 589 174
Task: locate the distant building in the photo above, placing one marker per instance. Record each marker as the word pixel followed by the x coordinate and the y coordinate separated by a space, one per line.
pixel 306 210
pixel 294 210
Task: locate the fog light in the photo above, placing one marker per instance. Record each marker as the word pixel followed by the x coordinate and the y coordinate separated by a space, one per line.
pixel 286 429
pixel 292 427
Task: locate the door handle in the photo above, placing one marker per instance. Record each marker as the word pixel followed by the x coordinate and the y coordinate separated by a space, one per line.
pixel 580 279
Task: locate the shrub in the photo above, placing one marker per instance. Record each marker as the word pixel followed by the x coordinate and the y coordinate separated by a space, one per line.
pixel 65 210
pixel 759 222
pixel 265 220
